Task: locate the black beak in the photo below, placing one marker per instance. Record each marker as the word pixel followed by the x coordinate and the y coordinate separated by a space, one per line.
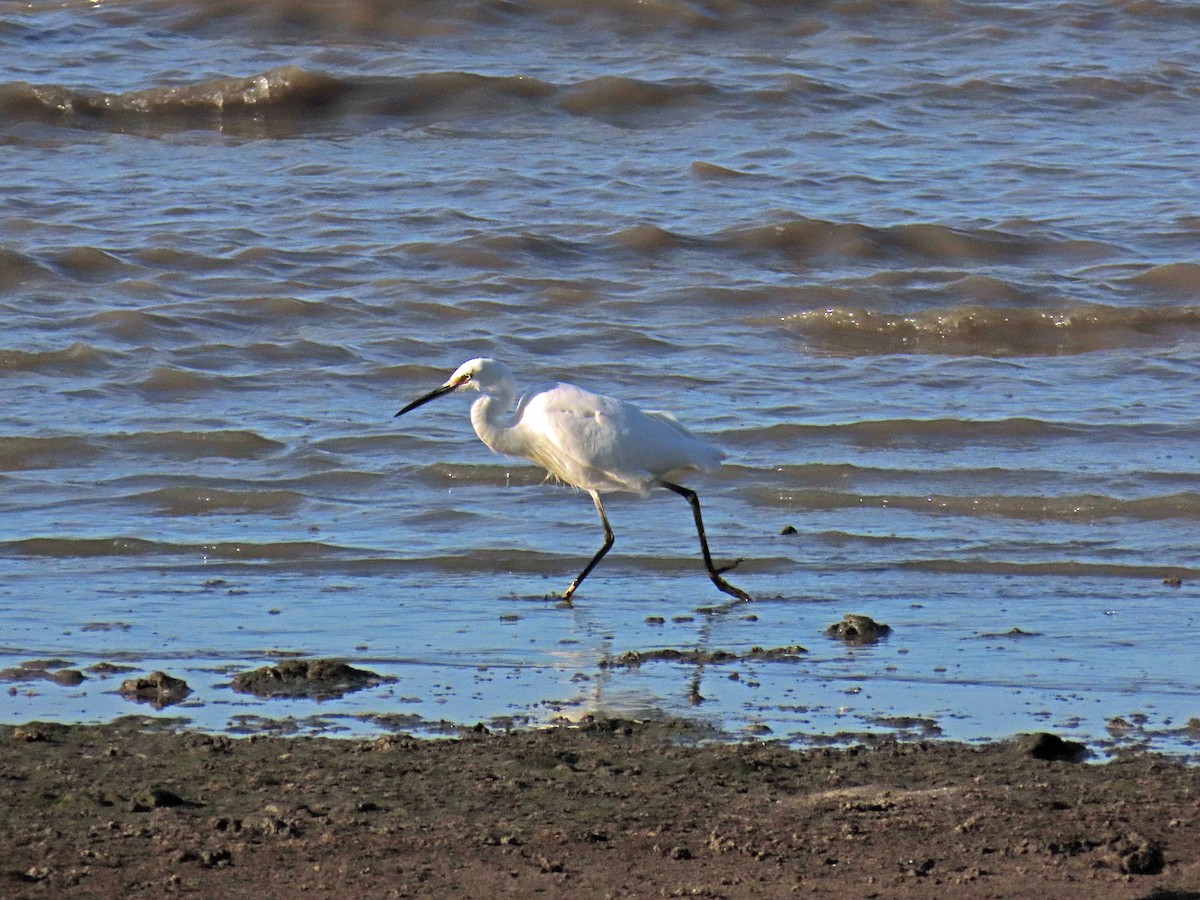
pixel 432 395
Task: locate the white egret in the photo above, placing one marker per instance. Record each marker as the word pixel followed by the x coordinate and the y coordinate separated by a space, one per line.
pixel 588 441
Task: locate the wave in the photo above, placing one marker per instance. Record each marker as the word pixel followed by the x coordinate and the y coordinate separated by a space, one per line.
pixel 287 87
pixel 1073 93
pixel 292 93
pixel 983 331
pixel 24 453
pixel 193 445
pixel 75 547
pixel 927 432
pixel 795 241
pixel 372 20
pixel 77 359
pixel 436 93
pixel 451 475
pixel 805 239
pixel 303 555
pixel 1065 568
pixel 799 242
pixel 17 269
pixel 650 239
pixel 713 172
pixel 133 324
pixel 440 93
pixel 171 380
pixel 961 479
pixel 1170 278
pixel 90 264
pixel 609 96
pixel 1073 508
pixel 176 260
pixel 196 501
pixel 290 98
pixel 940 254
pixel 315 556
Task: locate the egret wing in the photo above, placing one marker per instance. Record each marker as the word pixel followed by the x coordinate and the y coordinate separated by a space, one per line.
pixel 600 443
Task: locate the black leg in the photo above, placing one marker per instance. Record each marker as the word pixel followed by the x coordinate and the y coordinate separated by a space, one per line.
pixel 713 572
pixel 604 548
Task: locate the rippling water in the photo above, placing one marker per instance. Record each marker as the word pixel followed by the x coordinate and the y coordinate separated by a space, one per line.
pixel 927 272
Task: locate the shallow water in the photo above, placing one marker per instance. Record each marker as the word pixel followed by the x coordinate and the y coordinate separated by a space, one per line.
pixel 928 276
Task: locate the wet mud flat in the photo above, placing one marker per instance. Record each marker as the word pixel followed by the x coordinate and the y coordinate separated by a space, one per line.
pixel 610 808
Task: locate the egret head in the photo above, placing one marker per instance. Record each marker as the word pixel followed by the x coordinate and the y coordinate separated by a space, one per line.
pixel 489 376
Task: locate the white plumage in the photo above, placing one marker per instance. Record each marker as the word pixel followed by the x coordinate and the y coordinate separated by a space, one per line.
pixel 586 440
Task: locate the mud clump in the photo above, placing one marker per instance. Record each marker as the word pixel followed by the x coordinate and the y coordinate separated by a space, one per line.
pixel 791 652
pixel 1050 747
pixel 1133 854
pixel 158 689
pixel 631 659
pixel 855 629
pixel 107 669
pixel 52 670
pixel 319 679
pixel 1014 633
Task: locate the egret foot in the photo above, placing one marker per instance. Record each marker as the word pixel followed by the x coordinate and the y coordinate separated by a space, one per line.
pixel 729 566
pixel 729 589
pixel 713 572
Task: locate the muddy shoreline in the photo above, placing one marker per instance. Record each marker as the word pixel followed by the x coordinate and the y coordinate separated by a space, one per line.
pixel 611 808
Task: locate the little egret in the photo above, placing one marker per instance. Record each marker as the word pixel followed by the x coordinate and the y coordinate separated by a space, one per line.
pixel 588 441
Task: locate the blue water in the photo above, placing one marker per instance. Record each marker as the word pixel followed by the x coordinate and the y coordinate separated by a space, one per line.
pixel 926 274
